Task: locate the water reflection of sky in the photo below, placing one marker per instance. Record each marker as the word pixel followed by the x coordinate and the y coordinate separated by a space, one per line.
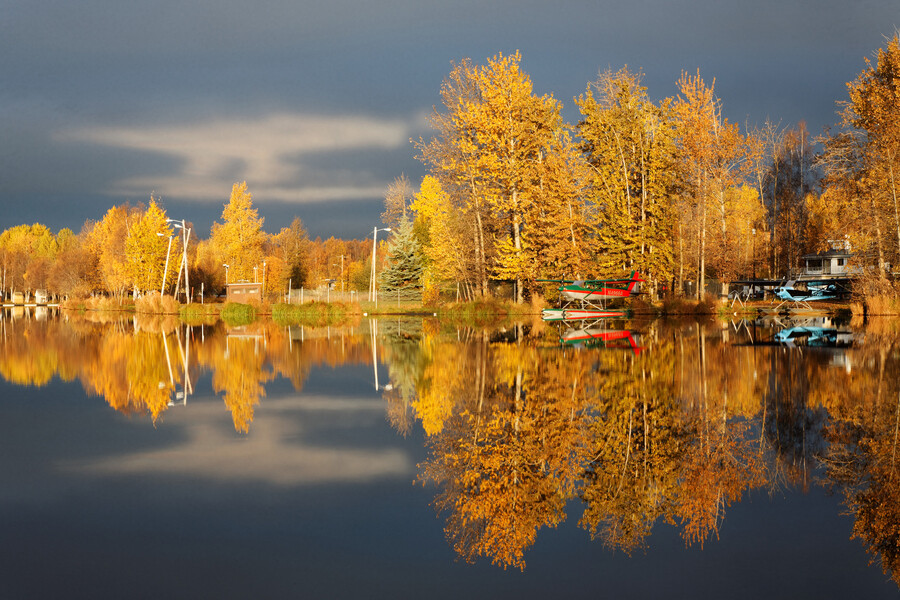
pixel 318 500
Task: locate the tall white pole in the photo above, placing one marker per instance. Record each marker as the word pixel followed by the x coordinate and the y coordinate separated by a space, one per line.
pixel 162 289
pixel 372 277
pixel 187 287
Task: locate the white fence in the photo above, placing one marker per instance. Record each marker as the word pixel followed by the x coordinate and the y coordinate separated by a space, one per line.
pixel 303 295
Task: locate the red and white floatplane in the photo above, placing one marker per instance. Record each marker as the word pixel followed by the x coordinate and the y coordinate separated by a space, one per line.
pixel 586 298
pixel 584 302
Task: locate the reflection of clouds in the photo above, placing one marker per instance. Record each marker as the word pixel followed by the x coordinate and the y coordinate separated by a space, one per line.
pixel 272 453
pixel 268 152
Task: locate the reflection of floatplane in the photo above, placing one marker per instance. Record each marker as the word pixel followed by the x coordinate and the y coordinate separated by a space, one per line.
pixel 585 298
pixel 577 314
pixel 813 336
pixel 598 337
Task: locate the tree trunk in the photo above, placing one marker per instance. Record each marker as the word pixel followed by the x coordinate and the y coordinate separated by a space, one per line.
pixel 896 211
pixel 480 258
pixel 701 275
pixel 517 240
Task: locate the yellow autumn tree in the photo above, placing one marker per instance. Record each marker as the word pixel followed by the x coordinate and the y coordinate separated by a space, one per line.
pixel 441 230
pixel 711 151
pixel 107 242
pixel 512 129
pixel 146 246
pixel 629 143
pixel 862 160
pixel 27 253
pixel 238 240
pixel 490 156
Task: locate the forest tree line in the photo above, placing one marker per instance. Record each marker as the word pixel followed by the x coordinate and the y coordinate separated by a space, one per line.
pixel 126 251
pixel 671 188
pixel 513 193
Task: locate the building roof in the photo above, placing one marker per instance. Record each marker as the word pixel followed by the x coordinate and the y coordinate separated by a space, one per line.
pixel 828 254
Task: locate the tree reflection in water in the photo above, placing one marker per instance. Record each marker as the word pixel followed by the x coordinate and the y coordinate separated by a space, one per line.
pixel 519 427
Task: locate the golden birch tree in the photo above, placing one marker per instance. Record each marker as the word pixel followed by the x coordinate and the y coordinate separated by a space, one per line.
pixel 873 112
pixel 146 246
pixel 452 157
pixel 489 155
pixel 107 242
pixel 629 144
pixel 711 152
pixel 238 240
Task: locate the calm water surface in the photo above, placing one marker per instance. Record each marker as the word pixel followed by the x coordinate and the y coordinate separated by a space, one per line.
pixel 411 458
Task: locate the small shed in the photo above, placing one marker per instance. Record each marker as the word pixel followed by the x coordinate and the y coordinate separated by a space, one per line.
pixel 243 292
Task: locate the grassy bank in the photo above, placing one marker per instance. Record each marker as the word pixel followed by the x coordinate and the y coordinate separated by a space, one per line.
pixel 481 313
pixel 96 303
pixel 315 313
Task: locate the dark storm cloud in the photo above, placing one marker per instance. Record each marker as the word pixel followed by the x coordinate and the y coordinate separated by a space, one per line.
pixel 104 102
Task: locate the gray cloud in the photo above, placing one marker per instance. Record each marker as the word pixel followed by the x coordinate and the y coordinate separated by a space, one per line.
pixel 108 101
pixel 268 152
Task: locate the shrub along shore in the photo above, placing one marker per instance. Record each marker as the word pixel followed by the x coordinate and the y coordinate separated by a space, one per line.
pixel 472 312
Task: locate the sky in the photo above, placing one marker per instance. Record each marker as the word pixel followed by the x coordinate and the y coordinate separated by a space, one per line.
pixel 314 104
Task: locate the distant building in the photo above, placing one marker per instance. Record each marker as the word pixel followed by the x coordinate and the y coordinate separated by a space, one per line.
pixel 833 263
pixel 243 292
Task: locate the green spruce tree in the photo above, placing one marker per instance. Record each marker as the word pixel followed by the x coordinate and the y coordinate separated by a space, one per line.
pixel 402 278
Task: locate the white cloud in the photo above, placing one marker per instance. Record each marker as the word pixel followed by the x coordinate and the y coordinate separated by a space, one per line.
pixel 272 153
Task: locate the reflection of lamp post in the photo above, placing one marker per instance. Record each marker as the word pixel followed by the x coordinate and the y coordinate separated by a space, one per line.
pixel 372 288
pixel 162 289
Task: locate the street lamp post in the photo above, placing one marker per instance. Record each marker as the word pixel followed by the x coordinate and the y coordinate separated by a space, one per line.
pixel 185 235
pixel 162 289
pixel 372 288
pixel 753 260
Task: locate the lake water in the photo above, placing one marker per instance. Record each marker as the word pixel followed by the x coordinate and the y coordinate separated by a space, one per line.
pixel 415 458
